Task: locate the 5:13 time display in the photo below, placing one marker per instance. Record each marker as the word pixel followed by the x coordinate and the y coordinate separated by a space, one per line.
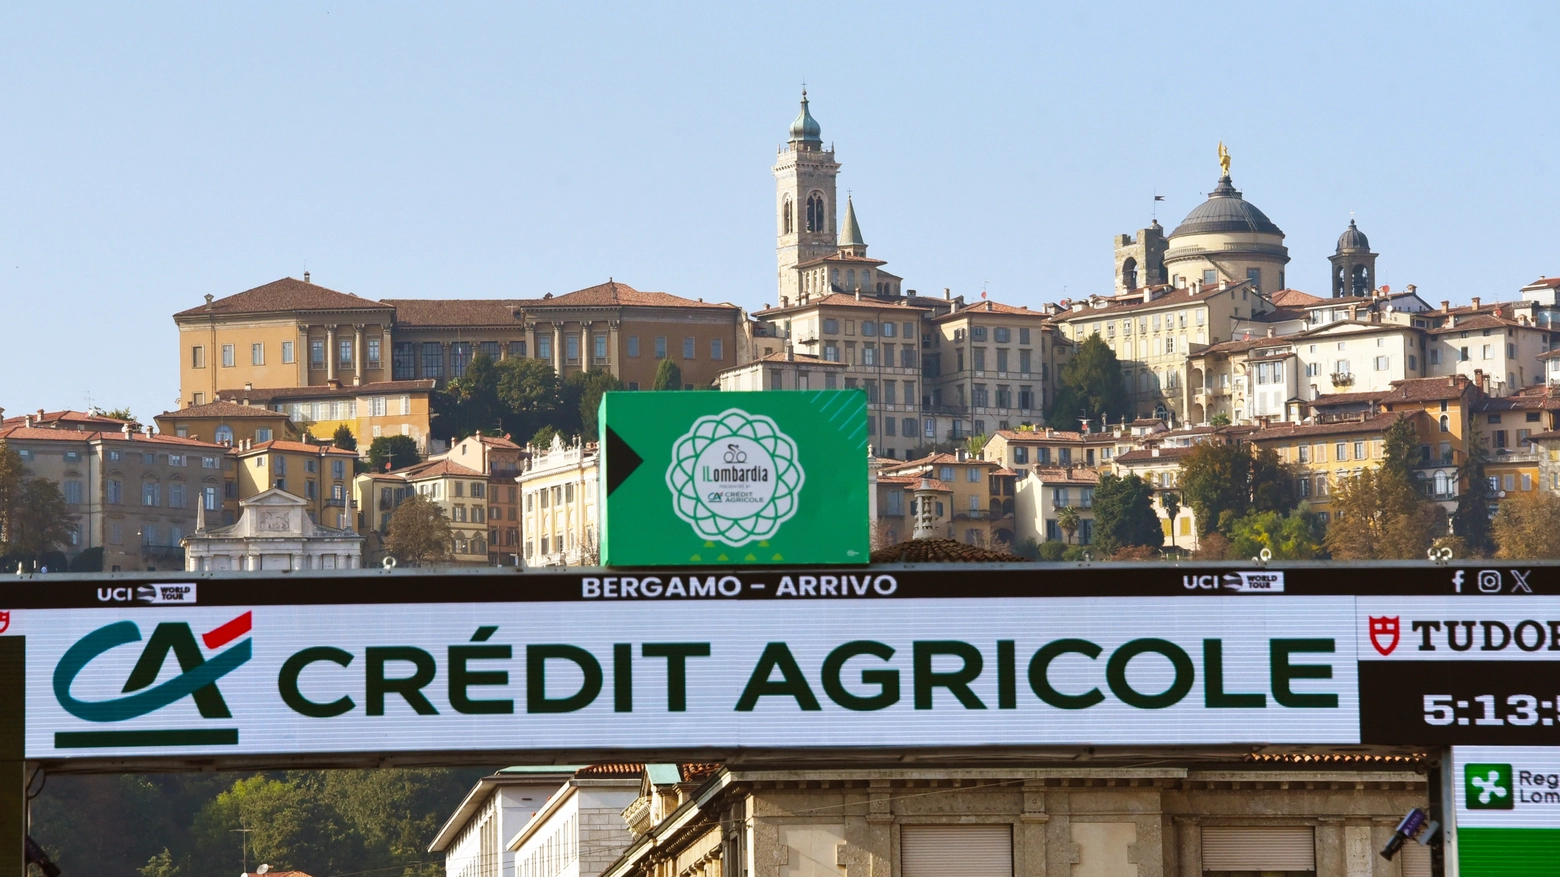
pixel 1485 709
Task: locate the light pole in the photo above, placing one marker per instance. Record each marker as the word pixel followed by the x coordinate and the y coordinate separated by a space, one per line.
pixel 244 833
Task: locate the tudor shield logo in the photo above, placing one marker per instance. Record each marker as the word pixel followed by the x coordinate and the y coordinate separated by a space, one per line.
pixel 1384 633
pixel 197 680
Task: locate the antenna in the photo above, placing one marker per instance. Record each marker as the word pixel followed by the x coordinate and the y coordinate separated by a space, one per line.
pixel 244 833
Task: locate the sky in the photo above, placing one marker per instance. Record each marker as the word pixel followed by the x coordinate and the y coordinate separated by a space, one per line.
pixel 153 153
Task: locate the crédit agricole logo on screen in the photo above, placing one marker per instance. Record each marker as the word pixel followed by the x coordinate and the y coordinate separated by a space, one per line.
pixel 735 477
pixel 202 664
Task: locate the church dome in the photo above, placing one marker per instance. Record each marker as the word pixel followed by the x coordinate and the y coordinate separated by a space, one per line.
pixel 1225 211
pixel 1352 239
pixel 806 129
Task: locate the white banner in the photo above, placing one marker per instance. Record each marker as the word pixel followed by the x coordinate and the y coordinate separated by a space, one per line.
pixel 1507 786
pixel 187 680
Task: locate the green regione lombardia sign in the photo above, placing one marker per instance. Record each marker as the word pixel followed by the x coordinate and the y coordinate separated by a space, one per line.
pixel 776 477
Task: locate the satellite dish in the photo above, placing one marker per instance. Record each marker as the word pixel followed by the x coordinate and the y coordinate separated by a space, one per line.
pixel 262 869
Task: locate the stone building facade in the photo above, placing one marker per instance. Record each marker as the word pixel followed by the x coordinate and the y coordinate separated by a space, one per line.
pixel 274 532
pixel 1285 815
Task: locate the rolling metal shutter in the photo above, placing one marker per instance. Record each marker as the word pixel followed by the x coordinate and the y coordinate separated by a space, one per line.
pixel 956 850
pixel 1275 848
pixel 1416 860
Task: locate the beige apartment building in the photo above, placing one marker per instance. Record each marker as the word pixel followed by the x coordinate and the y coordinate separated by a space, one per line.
pixel 558 505
pixel 134 495
pixel 228 423
pixel 502 461
pixel 320 474
pixel 878 343
pixel 1267 814
pixel 459 492
pixel 979 495
pixel 371 410
pixel 988 367
pixel 287 333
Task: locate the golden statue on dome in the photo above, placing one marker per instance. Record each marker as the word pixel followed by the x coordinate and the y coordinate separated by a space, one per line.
pixel 1224 159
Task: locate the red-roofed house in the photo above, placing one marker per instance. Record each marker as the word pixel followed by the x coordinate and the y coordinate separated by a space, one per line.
pixel 320 474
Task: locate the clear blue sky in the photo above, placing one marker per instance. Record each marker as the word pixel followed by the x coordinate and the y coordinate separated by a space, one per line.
pixel 153 153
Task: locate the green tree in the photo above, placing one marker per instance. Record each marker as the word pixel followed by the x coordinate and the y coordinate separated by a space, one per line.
pixel 1471 520
pixel 399 451
pixel 470 403
pixel 1380 513
pixel 543 438
pixel 1171 503
pixel 530 394
pixel 288 828
pixel 667 376
pixel 343 438
pixel 1090 386
pixel 419 532
pixel 160 865
pixel 1220 419
pixel 1216 478
pixel 975 444
pixel 34 518
pixel 1525 526
pixel 1069 520
pixel 1272 483
pixel 1295 536
pixel 121 414
pixel 1124 514
pixel 582 394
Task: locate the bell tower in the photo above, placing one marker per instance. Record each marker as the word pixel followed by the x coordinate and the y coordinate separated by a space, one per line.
pixel 805 217
pixel 1353 265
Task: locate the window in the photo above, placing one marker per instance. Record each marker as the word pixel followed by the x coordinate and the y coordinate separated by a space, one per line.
pixel 717 349
pixel 209 498
pixel 176 495
pixel 432 359
pixel 571 347
pixel 688 348
pixel 406 407
pixel 373 353
pixel 257 354
pixel 633 345
pixel 869 328
pixel 1446 423
pixel 317 353
pixel 151 493
pixel 338 469
pixel 517 350
pixel 403 361
pixel 660 347
pixel 460 358
pixel 227 356
pixel 1462 354
pixel 1359 450
pixel 1210 277
pixel 1486 351
pixel 73 492
pixel 115 491
pixel 831 353
pixel 197 357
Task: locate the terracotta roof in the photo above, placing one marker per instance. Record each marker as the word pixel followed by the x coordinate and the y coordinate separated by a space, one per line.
pixel 1379 423
pixel 1244 344
pixel 411 312
pixel 222 408
pixel 1482 321
pixel 613 294
pixel 841 300
pixel 22 433
pixel 1144 456
pixel 1550 282
pixel 294 447
pixel 940 551
pixel 437 469
pixel 1547 434
pixel 898 479
pixel 263 395
pixel 1294 298
pixel 806 358
pixel 1327 400
pixel 1528 402
pixel 840 257
pixel 1053 474
pixel 1426 389
pixel 1330 759
pixel 497 442
pixel 1057 435
pixel 943 460
pixel 286 294
pixel 75 418
pixel 1172 298
pixel 615 770
pixel 992 307
pixel 698 770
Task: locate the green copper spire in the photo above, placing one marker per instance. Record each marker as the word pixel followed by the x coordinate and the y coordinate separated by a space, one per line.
pixel 850 232
pixel 806 129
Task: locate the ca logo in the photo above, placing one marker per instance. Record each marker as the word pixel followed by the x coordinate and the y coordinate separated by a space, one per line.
pixel 198 679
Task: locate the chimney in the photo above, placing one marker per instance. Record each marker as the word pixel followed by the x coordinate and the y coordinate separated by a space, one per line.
pixel 858 293
pixel 27 421
pixel 306 277
pixel 1475 302
pixel 961 454
pixel 1451 321
pixel 1445 305
pixel 947 293
pixel 248 387
pixel 126 430
pixel 790 352
pixel 1154 451
pixel 911 293
pixel 1480 379
pixel 1223 285
pixel 1270 331
pixel 1354 311
pixel 209 297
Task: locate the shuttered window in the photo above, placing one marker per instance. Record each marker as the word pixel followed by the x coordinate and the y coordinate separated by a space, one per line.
pixel 1274 848
pixel 956 851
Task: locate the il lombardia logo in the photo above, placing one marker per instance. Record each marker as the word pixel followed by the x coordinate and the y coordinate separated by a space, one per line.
pixel 1488 787
pixel 735 477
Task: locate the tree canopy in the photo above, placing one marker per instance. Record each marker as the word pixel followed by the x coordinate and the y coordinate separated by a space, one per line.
pixel 1471 520
pixel 34 517
pixel 1526 525
pixel 1225 482
pixel 343 438
pixel 1380 514
pixel 1090 386
pixel 1124 514
pixel 667 376
pixel 419 532
pixel 399 451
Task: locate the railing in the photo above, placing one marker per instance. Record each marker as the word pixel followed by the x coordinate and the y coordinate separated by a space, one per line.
pixel 1342 379
pixel 336 503
pixel 1502 455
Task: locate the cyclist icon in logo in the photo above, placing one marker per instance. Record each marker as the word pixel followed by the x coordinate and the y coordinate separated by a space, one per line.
pixel 735 454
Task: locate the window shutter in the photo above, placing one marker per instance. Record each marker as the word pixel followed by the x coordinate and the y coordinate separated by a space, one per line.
pixel 1275 848
pixel 956 851
pixel 1416 860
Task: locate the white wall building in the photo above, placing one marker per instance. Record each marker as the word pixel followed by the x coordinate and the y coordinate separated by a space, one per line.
pixel 472 839
pixel 558 505
pixel 581 829
pixel 273 531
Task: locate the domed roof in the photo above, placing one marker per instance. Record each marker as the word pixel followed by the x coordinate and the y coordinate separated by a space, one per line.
pixel 1225 211
pixel 1352 239
pixel 805 129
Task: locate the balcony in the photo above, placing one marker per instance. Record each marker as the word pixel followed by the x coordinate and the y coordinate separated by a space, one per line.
pixel 1342 379
pixel 1502 455
pixel 336 503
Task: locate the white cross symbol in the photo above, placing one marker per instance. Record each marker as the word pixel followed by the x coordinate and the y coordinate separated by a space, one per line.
pixel 1489 786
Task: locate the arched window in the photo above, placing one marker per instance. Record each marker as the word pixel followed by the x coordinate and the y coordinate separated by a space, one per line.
pixel 785 215
pixel 224 435
pixel 1361 281
pixel 1446 423
pixel 1440 484
pixel 815 213
pixel 850 279
pixel 1129 274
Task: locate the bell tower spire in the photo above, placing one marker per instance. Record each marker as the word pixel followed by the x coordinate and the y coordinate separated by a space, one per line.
pixel 805 175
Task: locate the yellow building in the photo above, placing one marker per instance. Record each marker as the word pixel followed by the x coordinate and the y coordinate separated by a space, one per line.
pixel 1326 453
pixel 382 408
pixel 288 333
pixel 989 365
pixel 320 474
pixel 558 505
pixel 228 423
pixel 460 493
pixel 979 493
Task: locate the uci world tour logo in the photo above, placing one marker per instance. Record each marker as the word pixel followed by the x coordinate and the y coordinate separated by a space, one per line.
pixel 197 680
pixel 735 477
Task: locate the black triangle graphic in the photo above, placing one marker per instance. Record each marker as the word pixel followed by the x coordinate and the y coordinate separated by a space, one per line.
pixel 621 461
